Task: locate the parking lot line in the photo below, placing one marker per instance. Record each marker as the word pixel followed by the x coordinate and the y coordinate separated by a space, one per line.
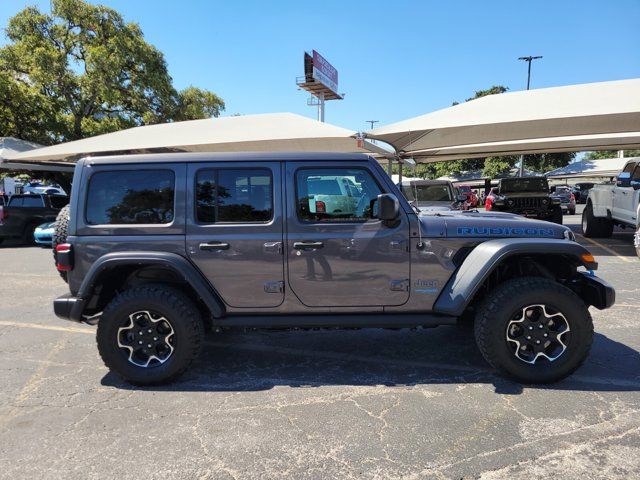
pixel 605 248
pixel 54 328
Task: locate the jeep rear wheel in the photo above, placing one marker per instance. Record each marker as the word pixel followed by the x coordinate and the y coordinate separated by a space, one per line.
pixel 595 227
pixel 636 242
pixel 534 330
pixel 150 335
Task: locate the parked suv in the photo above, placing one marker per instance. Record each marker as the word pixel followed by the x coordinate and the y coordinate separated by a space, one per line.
pixel 527 196
pixel 162 247
pixel 23 213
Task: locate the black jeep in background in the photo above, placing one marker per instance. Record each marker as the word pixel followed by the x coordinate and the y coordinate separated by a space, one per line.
pixel 23 213
pixel 526 196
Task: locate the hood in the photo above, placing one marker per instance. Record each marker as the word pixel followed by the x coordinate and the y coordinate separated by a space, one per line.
pixel 435 206
pixel 474 224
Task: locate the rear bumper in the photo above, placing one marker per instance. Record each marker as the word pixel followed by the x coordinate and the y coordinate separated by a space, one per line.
pixel 68 307
pixel 598 292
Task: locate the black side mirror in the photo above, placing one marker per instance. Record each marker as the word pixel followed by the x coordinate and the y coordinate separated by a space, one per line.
pixel 624 180
pixel 388 207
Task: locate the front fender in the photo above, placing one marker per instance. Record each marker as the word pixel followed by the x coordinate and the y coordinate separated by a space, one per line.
pixel 482 261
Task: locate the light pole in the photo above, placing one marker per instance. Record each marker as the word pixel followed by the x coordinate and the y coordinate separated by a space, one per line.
pixel 372 122
pixel 527 59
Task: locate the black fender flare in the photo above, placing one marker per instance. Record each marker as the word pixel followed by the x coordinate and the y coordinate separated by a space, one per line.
pixel 180 265
pixel 483 259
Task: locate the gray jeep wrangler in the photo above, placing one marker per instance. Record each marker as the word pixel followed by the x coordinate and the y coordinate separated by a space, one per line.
pixel 163 247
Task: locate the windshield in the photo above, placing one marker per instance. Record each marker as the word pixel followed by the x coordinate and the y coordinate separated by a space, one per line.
pixel 524 185
pixel 427 193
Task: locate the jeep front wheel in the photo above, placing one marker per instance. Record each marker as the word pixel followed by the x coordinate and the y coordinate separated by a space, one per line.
pixel 534 330
pixel 636 241
pixel 150 335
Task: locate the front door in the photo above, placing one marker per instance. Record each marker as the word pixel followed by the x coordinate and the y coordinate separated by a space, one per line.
pixel 338 253
pixel 235 228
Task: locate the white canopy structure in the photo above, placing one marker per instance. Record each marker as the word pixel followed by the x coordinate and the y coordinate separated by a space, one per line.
pixel 604 167
pixel 266 132
pixel 10 146
pixel 592 116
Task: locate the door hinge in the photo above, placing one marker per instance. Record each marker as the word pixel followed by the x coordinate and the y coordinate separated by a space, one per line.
pixel 400 285
pixel 274 287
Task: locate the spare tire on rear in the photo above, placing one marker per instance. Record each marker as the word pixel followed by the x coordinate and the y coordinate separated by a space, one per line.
pixel 60 231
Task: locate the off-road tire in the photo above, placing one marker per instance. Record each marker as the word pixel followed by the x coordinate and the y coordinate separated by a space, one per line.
pixel 184 318
pixel 556 216
pixel 60 232
pixel 636 241
pixel 510 298
pixel 595 227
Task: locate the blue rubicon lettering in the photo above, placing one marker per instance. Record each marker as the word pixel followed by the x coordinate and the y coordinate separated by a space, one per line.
pixel 505 231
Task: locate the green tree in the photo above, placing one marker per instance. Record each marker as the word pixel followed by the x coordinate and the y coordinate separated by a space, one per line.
pixel 83 71
pixel 610 154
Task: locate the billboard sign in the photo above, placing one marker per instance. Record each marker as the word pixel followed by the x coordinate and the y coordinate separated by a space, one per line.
pixel 324 72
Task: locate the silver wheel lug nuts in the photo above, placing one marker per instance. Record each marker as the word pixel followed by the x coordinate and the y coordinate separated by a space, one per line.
pixel 546 334
pixel 539 326
pixel 150 329
pixel 528 337
pixel 530 328
pixel 155 339
pixel 140 342
pixel 538 341
pixel 149 345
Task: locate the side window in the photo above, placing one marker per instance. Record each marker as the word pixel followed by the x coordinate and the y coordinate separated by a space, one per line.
pixel 15 202
pixel 32 201
pixel 636 174
pixel 122 197
pixel 629 167
pixel 335 195
pixel 234 196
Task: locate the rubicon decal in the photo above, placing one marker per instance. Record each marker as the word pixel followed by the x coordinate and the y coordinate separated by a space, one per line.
pixel 505 232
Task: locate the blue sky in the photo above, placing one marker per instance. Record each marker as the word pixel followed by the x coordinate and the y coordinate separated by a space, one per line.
pixel 396 59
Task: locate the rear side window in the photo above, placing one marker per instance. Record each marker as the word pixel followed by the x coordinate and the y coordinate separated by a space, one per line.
pixel 32 201
pixel 123 197
pixel 234 196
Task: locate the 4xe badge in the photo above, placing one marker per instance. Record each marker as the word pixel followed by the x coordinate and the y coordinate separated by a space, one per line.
pixel 426 286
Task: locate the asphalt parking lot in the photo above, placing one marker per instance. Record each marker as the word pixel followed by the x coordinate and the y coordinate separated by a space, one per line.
pixel 327 404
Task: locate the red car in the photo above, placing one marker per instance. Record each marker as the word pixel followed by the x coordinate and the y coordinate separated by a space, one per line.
pixel 472 197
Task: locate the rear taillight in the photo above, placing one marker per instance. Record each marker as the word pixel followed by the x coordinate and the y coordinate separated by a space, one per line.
pixel 64 257
pixel 321 207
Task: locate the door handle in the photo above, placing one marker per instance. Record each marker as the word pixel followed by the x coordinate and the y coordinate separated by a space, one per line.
pixel 214 246
pixel 307 245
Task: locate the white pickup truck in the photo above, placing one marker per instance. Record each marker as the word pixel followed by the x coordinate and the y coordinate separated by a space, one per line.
pixel 614 204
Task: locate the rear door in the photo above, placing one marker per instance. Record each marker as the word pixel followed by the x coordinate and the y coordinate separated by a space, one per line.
pixel 343 257
pixel 235 230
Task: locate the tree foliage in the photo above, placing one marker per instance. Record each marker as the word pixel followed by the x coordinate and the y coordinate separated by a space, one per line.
pixel 83 71
pixel 610 154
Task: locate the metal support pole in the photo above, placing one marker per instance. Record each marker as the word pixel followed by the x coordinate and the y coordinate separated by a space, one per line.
pixel 400 174
pixel 522 165
pixel 321 107
pixel 390 168
pixel 620 153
